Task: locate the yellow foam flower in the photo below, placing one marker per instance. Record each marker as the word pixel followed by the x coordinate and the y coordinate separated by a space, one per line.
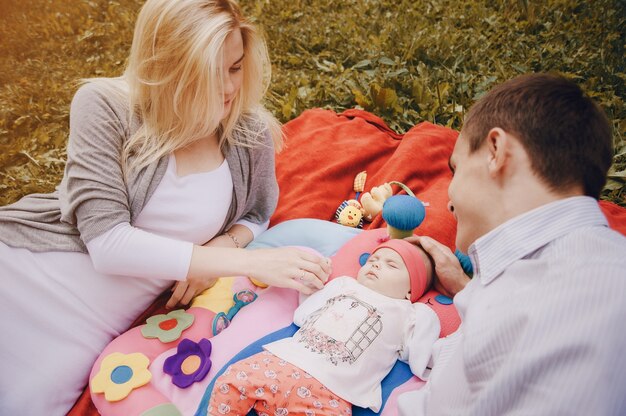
pixel 218 298
pixel 119 374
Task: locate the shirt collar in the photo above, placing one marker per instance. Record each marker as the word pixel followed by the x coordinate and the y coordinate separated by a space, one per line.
pixel 513 240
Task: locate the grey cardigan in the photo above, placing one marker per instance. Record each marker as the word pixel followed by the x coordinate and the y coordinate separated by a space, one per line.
pixel 93 196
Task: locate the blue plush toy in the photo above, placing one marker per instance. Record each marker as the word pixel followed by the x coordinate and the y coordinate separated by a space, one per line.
pixel 464 259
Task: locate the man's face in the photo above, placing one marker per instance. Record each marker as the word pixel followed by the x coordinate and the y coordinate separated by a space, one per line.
pixel 469 192
pixel 385 273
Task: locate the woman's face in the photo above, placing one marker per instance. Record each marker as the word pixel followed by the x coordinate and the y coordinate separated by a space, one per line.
pixel 233 69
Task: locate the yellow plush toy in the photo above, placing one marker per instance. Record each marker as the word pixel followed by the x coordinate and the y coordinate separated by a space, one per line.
pixel 350 212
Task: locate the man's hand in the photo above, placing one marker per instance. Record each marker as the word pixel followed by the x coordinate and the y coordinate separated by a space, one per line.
pixel 450 278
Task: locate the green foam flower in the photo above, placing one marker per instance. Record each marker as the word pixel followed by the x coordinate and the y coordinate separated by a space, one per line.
pixel 164 409
pixel 167 328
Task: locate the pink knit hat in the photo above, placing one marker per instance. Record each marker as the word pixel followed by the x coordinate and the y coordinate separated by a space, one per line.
pixel 414 263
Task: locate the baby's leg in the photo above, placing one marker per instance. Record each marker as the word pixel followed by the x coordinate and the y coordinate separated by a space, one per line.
pixel 272 387
pixel 232 390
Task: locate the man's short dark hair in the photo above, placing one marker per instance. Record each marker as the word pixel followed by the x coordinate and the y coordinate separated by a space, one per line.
pixel 566 134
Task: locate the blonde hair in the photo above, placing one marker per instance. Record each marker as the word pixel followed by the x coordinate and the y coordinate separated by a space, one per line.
pixel 175 75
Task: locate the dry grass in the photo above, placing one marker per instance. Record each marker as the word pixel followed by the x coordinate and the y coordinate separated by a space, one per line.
pixel 405 60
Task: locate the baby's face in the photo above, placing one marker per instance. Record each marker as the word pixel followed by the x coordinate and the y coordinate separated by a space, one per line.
pixel 385 273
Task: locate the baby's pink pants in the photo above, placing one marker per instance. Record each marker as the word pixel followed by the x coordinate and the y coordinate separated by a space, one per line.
pixel 273 387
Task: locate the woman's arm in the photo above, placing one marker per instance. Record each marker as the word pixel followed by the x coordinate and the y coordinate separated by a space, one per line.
pixel 93 195
pixel 127 250
pixel 283 267
pixel 238 236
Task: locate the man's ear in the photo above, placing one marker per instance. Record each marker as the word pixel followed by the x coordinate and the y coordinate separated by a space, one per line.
pixel 498 150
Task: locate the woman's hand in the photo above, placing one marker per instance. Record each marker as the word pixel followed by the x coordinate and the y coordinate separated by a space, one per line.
pixel 450 278
pixel 289 267
pixel 184 291
pixel 281 267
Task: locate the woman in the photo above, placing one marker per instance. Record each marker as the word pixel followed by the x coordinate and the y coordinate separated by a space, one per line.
pixel 170 169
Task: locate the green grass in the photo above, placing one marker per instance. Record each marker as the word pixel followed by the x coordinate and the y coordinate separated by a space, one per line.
pixel 407 61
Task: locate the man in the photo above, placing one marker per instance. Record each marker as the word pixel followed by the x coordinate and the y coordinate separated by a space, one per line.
pixel 542 317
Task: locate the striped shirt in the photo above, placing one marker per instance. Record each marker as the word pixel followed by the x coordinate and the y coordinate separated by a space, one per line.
pixel 543 320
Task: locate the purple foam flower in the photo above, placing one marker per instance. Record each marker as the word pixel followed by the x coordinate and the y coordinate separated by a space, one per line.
pixel 190 364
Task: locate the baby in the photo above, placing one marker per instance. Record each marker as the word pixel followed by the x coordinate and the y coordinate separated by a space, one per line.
pixel 351 334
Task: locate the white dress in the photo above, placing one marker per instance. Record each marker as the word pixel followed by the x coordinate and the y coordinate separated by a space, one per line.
pixel 57 313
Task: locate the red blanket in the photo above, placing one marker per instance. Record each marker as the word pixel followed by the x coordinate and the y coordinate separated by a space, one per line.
pixel 324 151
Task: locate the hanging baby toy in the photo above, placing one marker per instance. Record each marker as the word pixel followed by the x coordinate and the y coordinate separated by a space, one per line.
pixel 372 201
pixel 403 213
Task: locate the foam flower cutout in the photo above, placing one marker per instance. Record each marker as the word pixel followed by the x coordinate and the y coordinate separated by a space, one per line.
pixel 167 328
pixel 164 409
pixel 119 374
pixel 191 362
